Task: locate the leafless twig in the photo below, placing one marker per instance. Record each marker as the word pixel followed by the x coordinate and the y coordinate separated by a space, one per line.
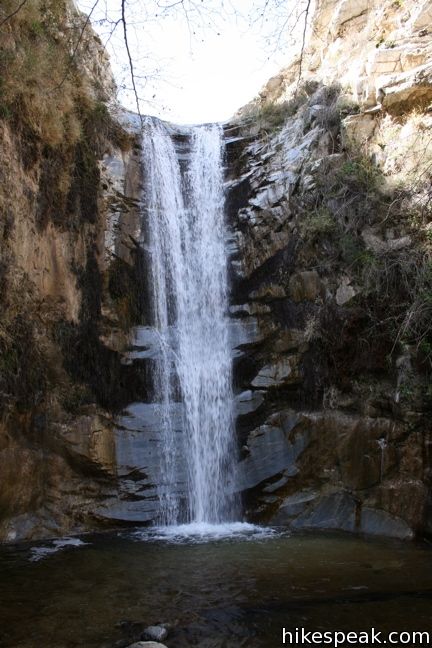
pixel 11 15
pixel 131 67
pixel 305 25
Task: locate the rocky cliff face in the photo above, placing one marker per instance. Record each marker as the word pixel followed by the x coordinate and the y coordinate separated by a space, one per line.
pixel 380 52
pixel 330 203
pixel 67 260
pixel 328 196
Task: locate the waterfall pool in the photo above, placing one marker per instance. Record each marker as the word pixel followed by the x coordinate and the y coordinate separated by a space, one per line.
pixel 217 589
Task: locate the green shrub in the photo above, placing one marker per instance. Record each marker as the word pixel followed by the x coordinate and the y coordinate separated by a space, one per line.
pixel 361 174
pixel 270 116
pixel 319 222
pixel 351 248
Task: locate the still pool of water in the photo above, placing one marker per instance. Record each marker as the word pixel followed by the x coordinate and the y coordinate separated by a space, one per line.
pixel 218 591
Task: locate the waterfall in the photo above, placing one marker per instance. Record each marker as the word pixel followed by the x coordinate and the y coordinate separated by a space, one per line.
pixel 184 201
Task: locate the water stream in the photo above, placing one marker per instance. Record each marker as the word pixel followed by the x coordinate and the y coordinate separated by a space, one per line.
pixel 184 200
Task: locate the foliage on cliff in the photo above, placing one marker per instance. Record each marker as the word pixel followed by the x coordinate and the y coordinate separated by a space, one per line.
pixel 40 82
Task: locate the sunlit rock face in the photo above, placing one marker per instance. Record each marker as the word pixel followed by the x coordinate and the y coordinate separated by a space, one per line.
pixel 379 51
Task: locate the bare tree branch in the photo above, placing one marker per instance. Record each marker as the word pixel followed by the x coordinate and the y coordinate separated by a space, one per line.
pixel 126 42
pixel 11 15
pixel 306 11
pixel 80 37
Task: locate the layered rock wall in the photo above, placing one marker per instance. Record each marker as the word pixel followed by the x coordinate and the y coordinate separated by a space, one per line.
pixel 380 52
pixel 69 183
pixel 329 201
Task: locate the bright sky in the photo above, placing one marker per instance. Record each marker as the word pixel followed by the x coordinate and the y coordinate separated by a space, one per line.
pixel 200 70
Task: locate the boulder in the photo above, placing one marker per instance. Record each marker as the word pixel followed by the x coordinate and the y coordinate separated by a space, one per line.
pixel 156 633
pixel 345 292
pixel 281 372
pixel 413 86
pixel 346 11
pixel 248 401
pixel 268 292
pixel 243 332
pixel 146 644
pixel 293 506
pixel 378 245
pixel 376 522
pixel 289 339
pixel 250 308
pixel 335 511
pixel 422 16
pixel 272 86
pixel 274 486
pixel 271 450
pixel 358 128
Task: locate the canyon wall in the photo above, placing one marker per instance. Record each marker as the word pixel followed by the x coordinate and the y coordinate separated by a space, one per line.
pixel 69 288
pixel 329 200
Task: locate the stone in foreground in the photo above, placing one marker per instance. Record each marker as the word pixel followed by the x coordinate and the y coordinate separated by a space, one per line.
pixel 157 633
pixel 147 644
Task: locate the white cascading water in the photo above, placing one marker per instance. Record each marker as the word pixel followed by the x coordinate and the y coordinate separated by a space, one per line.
pixel 190 301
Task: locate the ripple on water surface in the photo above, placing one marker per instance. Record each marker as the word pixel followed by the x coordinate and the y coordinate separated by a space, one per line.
pixel 220 586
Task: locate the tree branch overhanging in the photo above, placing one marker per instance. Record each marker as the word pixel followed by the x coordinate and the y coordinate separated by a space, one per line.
pixel 131 67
